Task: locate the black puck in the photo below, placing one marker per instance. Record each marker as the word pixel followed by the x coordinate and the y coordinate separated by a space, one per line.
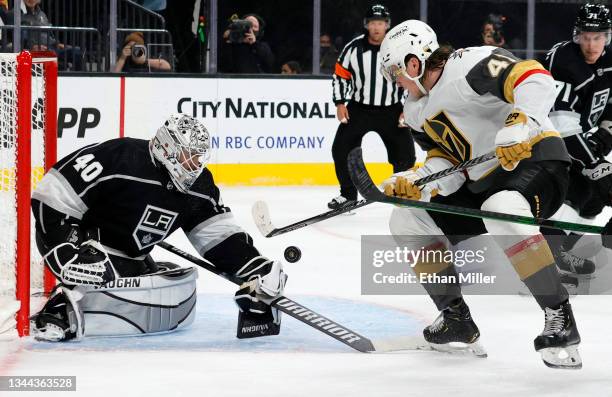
pixel 292 254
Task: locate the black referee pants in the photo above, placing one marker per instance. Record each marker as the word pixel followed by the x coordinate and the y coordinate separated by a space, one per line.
pixel 363 119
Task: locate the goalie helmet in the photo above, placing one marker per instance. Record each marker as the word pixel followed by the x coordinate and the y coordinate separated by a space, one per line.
pixel 411 37
pixel 182 145
pixel 593 18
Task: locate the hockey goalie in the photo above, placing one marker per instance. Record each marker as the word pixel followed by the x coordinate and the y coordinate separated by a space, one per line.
pixel 101 210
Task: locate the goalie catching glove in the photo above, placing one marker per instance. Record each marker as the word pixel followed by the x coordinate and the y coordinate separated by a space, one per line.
pixel 512 142
pixel 87 264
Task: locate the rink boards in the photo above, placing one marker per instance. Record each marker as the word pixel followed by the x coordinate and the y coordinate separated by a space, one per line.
pixel 265 131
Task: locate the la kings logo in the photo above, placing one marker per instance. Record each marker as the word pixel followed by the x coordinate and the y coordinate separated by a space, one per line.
pixel 600 98
pixel 153 226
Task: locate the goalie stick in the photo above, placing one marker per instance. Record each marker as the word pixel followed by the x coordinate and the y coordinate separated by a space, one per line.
pixel 314 319
pixel 263 221
pixel 362 180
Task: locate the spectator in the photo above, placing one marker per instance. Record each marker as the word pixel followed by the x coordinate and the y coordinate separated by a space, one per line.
pixel 243 50
pixel 68 57
pixel 134 57
pixel 493 33
pixel 291 67
pixel 329 54
pixel 492 30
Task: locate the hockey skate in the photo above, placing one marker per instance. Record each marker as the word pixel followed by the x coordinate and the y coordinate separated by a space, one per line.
pixel 558 343
pixel 573 265
pixel 455 332
pixel 340 202
pixel 58 320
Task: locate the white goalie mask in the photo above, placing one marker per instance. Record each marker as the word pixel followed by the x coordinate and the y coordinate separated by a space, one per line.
pixel 411 37
pixel 182 145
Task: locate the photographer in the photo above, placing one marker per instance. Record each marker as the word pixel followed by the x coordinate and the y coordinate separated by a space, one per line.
pixel 243 50
pixel 493 31
pixel 134 57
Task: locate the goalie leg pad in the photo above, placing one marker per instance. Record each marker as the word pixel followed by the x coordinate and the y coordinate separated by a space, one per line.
pixel 152 303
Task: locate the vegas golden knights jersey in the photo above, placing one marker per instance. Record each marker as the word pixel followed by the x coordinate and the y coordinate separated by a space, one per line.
pixel 478 88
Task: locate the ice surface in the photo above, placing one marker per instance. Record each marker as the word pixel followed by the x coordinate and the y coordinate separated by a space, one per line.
pixel 208 360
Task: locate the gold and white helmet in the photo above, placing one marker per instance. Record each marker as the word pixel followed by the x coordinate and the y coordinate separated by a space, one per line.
pixel 411 37
pixel 182 146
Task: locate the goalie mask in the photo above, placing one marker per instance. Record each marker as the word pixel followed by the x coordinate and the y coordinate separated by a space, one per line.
pixel 410 37
pixel 182 145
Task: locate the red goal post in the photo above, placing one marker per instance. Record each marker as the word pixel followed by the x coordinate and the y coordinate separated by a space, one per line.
pixel 28 148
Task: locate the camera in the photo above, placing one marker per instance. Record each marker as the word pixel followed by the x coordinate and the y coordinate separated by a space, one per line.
pixel 238 30
pixel 138 50
pixel 497 21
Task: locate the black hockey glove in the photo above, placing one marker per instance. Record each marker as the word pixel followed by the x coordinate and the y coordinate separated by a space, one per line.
pixel 600 174
pixel 601 141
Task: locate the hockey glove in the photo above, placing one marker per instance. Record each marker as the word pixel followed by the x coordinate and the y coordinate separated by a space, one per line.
pixel 601 140
pixel 265 280
pixel 597 171
pixel 91 266
pixel 512 142
pixel 402 185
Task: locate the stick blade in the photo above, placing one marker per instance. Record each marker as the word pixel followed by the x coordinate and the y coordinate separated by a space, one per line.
pixel 360 177
pixel 261 217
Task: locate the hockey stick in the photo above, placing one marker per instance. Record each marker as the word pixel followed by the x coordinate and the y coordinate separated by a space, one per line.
pixel 362 180
pixel 263 221
pixel 312 318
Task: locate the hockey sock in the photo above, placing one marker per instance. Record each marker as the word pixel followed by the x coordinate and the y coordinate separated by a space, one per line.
pixel 534 263
pixel 438 276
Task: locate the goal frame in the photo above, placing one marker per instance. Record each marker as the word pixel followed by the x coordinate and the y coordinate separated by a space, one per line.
pixel 25 60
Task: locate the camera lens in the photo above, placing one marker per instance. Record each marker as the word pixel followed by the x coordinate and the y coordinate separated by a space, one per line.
pixel 137 51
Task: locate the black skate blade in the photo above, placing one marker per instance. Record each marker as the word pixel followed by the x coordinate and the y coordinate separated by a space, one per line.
pixel 458 348
pixel 561 357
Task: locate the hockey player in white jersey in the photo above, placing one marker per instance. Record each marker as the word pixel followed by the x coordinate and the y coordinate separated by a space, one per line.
pixel 463 104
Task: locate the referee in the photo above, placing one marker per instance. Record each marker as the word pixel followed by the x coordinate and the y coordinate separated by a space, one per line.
pixel 365 102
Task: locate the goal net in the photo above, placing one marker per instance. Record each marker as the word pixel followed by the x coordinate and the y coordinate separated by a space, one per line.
pixel 28 130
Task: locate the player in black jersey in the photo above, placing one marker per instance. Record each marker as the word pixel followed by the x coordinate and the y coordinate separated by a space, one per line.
pixel 101 210
pixel 582 69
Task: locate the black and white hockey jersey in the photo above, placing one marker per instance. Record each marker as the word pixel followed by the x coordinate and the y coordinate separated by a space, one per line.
pixel 583 97
pixel 119 189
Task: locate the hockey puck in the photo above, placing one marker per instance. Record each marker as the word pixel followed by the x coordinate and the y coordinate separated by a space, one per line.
pixel 292 254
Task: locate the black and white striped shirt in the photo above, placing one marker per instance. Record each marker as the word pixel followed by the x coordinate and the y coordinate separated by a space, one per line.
pixel 357 77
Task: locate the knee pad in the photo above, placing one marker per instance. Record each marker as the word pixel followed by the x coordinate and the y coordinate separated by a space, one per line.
pixel 508 202
pixel 414 228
